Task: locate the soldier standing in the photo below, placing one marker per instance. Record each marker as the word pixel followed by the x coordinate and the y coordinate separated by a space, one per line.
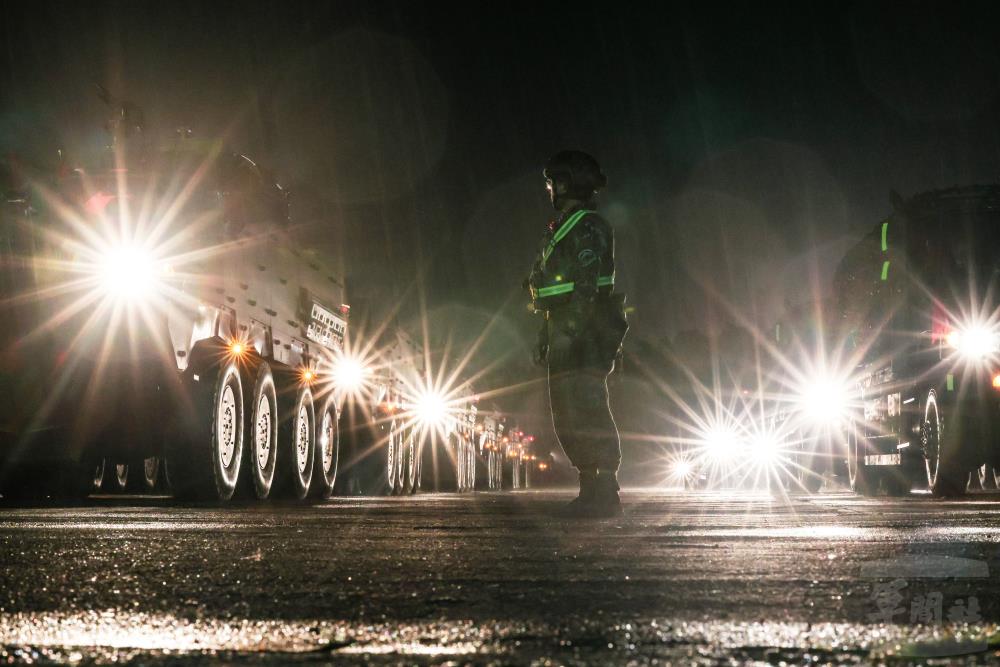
pixel 572 287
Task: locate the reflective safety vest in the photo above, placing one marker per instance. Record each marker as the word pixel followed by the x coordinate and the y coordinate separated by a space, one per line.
pixel 558 286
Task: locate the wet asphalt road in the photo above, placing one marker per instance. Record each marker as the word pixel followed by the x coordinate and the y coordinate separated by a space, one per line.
pixel 492 578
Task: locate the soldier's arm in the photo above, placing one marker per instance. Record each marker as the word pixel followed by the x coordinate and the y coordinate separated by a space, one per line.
pixel 590 244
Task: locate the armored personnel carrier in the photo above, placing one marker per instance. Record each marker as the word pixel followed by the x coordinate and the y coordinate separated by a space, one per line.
pixel 160 307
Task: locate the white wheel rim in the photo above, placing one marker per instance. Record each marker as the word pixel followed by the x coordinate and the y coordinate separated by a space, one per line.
pixel 262 432
pixel 121 473
pixel 933 465
pixel 326 441
pixel 227 426
pixel 390 467
pixel 150 468
pixel 302 439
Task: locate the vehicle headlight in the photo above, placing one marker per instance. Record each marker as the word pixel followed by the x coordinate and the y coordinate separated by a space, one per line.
pixel 974 342
pixel 430 409
pixel 824 400
pixel 765 448
pixel 349 373
pixel 721 444
pixel 127 272
pixel 682 469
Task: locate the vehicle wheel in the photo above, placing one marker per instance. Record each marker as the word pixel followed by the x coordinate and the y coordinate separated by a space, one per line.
pixel 327 450
pixel 809 480
pixel 392 454
pixel 470 484
pixel 460 463
pixel 115 478
pixel 864 481
pixel 515 474
pixel 205 460
pixel 413 468
pixel 257 476
pixel 944 475
pixel 143 474
pixel 296 445
pixel 987 477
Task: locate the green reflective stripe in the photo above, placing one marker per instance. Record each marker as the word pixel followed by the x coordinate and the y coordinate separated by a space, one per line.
pixel 885 270
pixel 950 381
pixel 885 236
pixel 554 290
pixel 565 288
pixel 561 233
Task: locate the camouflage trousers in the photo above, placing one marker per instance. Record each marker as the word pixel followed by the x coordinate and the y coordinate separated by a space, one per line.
pixel 578 396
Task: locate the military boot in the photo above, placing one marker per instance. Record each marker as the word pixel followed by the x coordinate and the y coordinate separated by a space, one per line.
pixel 605 502
pixel 581 504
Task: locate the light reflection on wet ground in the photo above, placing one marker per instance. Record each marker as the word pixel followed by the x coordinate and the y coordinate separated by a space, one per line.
pixel 486 578
pixel 115 637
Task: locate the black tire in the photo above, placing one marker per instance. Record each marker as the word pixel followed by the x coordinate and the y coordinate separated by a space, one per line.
pixel 327 449
pixel 205 458
pixel 412 464
pixel 296 443
pixel 808 479
pixel 261 448
pixel 945 474
pixel 863 479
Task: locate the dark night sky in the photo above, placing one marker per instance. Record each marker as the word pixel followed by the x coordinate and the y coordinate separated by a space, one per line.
pixel 736 136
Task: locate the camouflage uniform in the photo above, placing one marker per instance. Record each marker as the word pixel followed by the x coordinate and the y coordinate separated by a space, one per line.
pixel 571 283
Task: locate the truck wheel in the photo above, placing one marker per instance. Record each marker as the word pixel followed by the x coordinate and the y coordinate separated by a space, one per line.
pixel 864 481
pixel 327 450
pixel 205 460
pixel 297 445
pixel 809 480
pixel 392 454
pixel 409 464
pixel 471 452
pixel 497 470
pixel 143 474
pixel 262 440
pixel 987 477
pixel 115 478
pixel 944 476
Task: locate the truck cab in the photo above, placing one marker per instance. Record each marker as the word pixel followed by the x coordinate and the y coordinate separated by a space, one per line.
pixel 918 301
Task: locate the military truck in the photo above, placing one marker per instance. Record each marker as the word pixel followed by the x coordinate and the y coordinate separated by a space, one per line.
pixel 159 305
pixel 918 297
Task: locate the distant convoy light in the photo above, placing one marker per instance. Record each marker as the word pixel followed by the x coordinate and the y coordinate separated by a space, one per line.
pixel 682 469
pixel 765 447
pixel 430 409
pixel 996 381
pixel 722 444
pixel 824 401
pixel 974 342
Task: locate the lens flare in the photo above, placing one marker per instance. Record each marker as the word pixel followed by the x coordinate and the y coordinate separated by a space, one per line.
pixel 127 272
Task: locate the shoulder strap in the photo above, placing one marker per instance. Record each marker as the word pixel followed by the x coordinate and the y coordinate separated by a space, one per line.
pixel 561 233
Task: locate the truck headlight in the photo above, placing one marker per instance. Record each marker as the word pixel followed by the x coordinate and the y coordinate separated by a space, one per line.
pixel 721 444
pixel 127 272
pixel 974 342
pixel 824 400
pixel 430 409
pixel 349 373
